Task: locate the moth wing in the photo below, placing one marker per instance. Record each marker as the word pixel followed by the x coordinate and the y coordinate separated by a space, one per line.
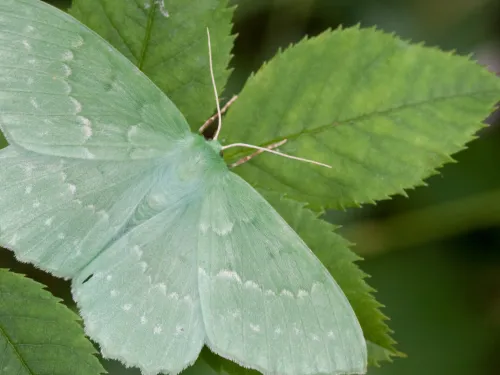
pixel 65 91
pixel 139 298
pixel 59 213
pixel 267 302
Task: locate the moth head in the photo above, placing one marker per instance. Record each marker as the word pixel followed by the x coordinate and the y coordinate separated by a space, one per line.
pixel 215 146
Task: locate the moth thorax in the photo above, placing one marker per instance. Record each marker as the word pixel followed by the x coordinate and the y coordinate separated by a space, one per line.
pixel 215 145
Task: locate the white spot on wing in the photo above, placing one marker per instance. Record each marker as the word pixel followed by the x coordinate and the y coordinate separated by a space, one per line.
pixel 26 45
pixel 29 29
pixel 113 293
pixel 286 292
pixel 252 285
pixel 224 229
pixel 157 330
pixel 229 275
pixel 109 277
pixel 235 313
pixel 202 272
pixel 163 288
pixel 302 293
pixel 87 132
pixel 296 329
pixel 34 103
pixel 72 188
pixel 48 222
pixel 317 287
pixel 61 236
pixel 36 204
pixel 28 169
pixel 173 296
pixel 127 307
pixel 77 104
pixel 77 43
pixel 86 127
pixel 28 189
pixel 67 70
pixel 204 227
pixel 67 56
pixel 137 250
pixel 255 327
pixel 277 330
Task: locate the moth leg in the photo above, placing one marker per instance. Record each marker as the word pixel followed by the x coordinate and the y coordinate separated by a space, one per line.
pixel 211 120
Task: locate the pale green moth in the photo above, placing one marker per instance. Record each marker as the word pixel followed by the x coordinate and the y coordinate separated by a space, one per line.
pixel 167 249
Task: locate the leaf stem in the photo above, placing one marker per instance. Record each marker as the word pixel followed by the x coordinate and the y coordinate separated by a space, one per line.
pixel 211 120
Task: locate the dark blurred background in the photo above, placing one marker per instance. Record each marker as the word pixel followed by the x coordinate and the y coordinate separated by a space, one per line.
pixel 434 257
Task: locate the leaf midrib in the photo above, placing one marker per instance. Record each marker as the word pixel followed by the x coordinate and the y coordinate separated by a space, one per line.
pixel 321 128
pixel 147 35
pixel 18 355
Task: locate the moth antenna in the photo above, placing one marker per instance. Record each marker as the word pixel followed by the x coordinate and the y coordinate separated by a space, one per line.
pixel 264 149
pixel 219 114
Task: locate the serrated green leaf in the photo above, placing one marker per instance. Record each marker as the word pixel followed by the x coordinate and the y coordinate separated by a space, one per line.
pixel 168 41
pixel 378 354
pixel 200 367
pixel 39 335
pixel 382 112
pixel 224 366
pixel 334 253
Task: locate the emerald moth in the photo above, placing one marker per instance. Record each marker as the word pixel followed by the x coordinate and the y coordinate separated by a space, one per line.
pixel 167 249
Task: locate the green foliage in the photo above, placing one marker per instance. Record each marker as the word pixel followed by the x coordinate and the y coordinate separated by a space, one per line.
pixel 382 112
pixel 172 51
pixel 377 354
pixel 200 367
pixel 223 366
pixel 39 335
